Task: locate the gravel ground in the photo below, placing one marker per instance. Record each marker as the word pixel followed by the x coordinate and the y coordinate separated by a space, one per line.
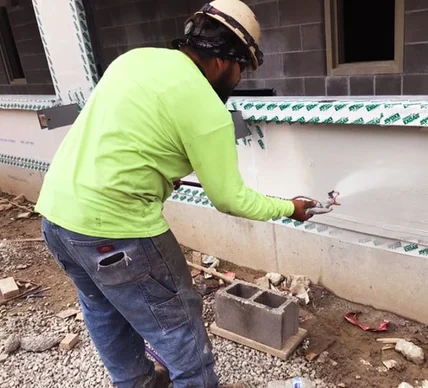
pixel 81 367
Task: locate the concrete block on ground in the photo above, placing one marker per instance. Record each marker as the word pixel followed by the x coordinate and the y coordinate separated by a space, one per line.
pixel 69 341
pixel 266 317
pixel 8 288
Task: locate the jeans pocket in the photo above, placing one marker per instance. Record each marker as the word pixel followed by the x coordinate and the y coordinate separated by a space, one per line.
pixel 112 262
pixel 166 305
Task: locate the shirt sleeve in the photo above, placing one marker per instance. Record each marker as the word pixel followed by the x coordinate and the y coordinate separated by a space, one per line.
pixel 214 158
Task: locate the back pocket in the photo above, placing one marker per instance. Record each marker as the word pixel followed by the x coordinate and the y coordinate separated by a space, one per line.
pixel 113 262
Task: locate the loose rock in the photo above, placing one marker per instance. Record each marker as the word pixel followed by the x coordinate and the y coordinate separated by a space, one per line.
pixel 410 351
pixel 39 343
pixel 12 343
pixel 323 357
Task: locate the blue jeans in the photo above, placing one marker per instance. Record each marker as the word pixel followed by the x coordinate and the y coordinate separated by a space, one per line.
pixel 132 290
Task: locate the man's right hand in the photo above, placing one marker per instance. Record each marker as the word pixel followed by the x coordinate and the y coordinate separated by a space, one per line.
pixel 300 207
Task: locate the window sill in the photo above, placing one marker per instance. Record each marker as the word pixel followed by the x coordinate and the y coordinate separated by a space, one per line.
pixel 382 111
pixel 28 102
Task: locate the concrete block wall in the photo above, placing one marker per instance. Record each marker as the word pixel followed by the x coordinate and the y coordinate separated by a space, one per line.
pixel 31 52
pixel 415 78
pixel 124 25
pixel 293 42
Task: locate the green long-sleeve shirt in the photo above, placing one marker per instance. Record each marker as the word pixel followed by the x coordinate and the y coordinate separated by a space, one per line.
pixel 152 119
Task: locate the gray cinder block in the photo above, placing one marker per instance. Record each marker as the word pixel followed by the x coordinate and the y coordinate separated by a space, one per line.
pixel 264 316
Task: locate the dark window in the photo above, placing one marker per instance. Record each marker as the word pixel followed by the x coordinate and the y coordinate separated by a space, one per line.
pixel 364 36
pixel 366 30
pixel 8 50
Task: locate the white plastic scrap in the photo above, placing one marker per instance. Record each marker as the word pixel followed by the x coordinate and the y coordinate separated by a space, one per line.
pixel 410 351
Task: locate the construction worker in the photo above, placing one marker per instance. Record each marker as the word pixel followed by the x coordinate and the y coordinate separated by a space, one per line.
pixel 155 116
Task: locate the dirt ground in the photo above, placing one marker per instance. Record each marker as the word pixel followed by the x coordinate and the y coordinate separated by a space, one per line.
pixel 357 353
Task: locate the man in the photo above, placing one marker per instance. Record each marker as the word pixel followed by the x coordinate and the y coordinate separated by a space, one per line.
pixel 155 116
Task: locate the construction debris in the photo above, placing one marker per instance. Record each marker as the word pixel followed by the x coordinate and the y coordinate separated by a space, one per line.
pixel 405 385
pixel 263 282
pixel 323 357
pixel 8 288
pixel 388 341
pixel 79 317
pixel 5 206
pixel 69 341
pixel 318 347
pixel 12 343
pixel 31 288
pixel 226 279
pixel 39 343
pixel 212 262
pixel 410 351
pixel 19 203
pixel 352 317
pixel 20 199
pixel 299 287
pixel 194 272
pixel 208 260
pixel 67 313
pixel 24 240
pixel 24 215
pixel 275 278
pixel 230 275
pixel 392 364
pixel 196 257
pixel 205 286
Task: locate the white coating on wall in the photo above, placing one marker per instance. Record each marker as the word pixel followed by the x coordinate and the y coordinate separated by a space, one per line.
pixel 386 167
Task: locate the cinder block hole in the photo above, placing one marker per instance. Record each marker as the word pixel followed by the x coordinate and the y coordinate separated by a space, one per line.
pixel 242 291
pixel 270 300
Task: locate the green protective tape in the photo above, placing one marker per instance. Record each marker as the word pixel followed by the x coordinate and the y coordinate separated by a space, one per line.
pixel 388 113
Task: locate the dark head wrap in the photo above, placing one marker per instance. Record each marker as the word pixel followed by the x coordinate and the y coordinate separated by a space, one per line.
pixel 212 37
